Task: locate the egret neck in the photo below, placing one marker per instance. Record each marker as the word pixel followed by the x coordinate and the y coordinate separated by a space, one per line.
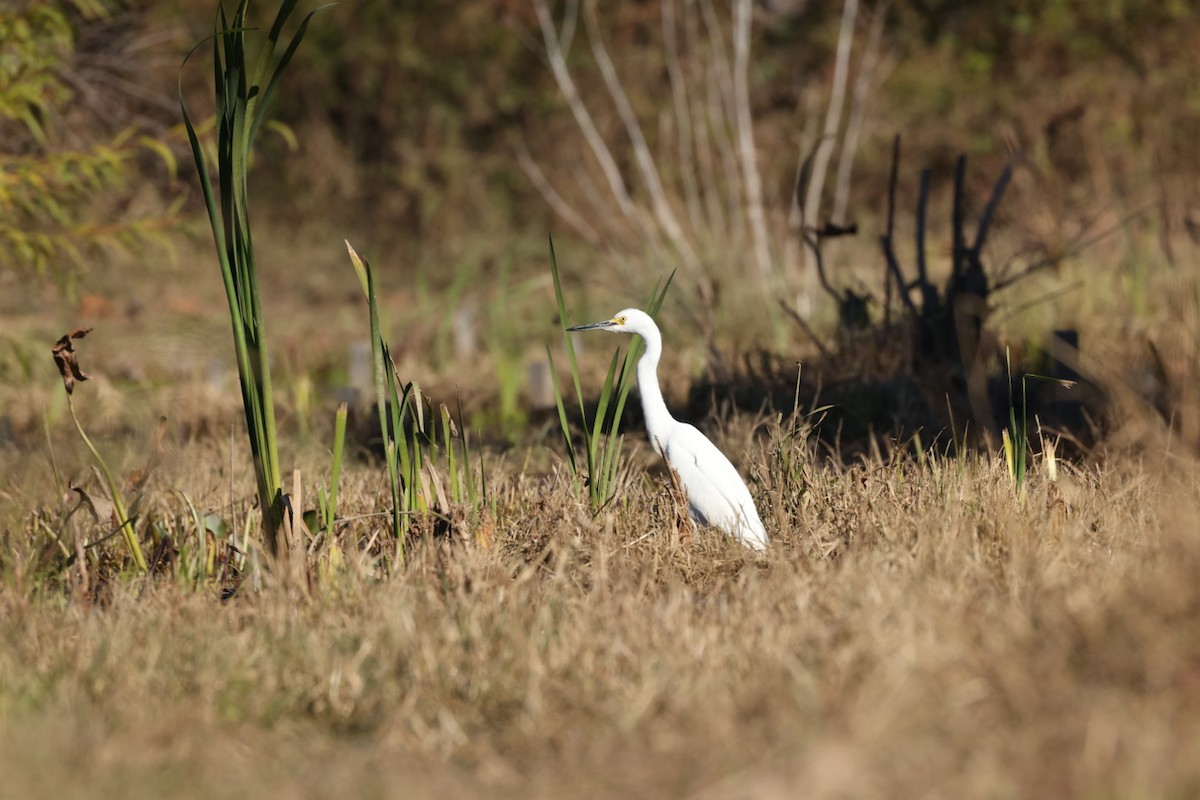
pixel 654 409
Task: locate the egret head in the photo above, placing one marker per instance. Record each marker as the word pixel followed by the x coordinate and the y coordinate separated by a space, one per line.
pixel 631 320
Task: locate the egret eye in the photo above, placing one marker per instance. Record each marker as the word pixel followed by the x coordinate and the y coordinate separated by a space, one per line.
pixel 620 320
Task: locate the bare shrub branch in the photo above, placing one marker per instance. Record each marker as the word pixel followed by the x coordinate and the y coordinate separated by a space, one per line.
pixel 745 129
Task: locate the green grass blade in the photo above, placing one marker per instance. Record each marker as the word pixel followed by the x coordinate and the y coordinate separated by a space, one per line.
pixel 339 446
pixel 599 425
pixel 601 444
pixel 564 424
pixel 570 345
pixel 451 460
pixel 290 51
pixel 473 496
pixel 123 519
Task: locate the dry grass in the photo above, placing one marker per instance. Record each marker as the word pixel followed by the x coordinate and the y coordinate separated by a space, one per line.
pixel 914 632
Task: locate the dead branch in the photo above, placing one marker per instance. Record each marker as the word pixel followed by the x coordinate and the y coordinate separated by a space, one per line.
pixel 553 198
pixel 804 326
pixel 858 106
pixel 681 106
pixel 745 132
pixel 833 117
pixel 566 85
pixel 664 214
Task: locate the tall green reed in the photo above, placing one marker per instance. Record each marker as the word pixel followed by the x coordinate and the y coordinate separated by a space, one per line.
pixel 243 90
pixel 411 449
pixel 395 404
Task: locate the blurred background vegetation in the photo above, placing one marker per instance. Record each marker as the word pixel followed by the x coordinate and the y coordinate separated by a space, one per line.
pixel 406 114
pixel 408 128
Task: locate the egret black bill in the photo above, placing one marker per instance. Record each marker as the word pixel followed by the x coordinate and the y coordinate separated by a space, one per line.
pixel 591 326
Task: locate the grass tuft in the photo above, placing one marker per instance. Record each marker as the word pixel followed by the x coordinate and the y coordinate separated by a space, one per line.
pixel 242 94
pixel 601 440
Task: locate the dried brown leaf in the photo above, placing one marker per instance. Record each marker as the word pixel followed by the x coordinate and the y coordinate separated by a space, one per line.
pixel 439 491
pixel 101 508
pixel 67 360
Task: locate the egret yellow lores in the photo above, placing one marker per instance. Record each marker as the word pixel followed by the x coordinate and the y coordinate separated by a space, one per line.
pixel 716 494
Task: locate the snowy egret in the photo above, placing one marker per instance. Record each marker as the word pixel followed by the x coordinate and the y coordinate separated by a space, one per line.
pixel 715 492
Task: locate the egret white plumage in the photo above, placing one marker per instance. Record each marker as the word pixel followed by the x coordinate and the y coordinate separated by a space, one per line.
pixel 715 492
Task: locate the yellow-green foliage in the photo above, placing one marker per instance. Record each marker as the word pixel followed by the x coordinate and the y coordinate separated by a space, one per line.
pixel 36 41
pixel 53 214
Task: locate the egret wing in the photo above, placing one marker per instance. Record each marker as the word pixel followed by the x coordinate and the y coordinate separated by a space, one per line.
pixel 715 490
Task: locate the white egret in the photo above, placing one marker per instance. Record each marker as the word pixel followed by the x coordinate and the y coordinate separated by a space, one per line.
pixel 715 492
